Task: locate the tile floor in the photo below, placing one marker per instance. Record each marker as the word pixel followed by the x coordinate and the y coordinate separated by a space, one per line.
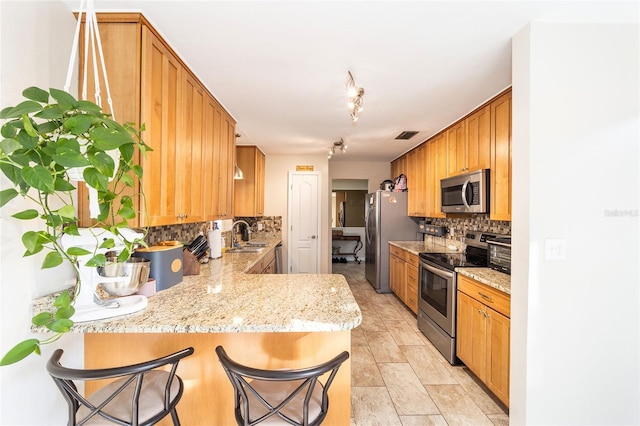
pixel 398 377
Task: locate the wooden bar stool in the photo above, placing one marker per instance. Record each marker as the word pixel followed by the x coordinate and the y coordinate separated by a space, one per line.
pixel 288 397
pixel 142 395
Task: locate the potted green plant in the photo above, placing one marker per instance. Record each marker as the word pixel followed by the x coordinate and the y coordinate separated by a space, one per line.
pixel 44 139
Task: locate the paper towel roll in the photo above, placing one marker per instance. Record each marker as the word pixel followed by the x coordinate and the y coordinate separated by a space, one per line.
pixel 215 243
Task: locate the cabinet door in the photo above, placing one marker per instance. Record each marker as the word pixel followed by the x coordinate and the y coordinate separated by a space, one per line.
pixel 478 133
pixel 471 335
pixel 497 354
pixel 260 160
pixel 412 180
pixel 160 109
pixel 440 171
pixel 120 43
pixel 190 151
pixel 456 149
pixel 249 191
pixel 397 276
pixel 227 162
pixel 501 158
pixel 421 180
pixel 210 160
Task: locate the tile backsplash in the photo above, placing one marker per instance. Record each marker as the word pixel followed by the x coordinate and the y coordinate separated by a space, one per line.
pixel 476 222
pixel 271 227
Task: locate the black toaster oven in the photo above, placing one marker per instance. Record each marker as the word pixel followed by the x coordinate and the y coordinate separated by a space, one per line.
pixel 499 254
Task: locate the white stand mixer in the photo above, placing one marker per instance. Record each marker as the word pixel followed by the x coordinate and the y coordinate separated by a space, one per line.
pixel 88 307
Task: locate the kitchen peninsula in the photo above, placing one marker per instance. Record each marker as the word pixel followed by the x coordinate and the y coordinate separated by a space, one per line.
pixel 269 321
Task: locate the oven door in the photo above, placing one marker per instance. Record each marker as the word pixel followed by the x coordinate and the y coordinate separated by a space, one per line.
pixel 437 296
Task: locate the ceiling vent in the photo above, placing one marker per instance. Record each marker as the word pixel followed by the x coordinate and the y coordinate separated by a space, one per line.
pixel 406 135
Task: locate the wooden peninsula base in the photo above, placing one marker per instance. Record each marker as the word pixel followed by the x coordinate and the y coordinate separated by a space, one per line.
pixel 208 397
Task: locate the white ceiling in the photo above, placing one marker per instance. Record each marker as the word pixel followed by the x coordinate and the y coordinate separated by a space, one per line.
pixel 280 67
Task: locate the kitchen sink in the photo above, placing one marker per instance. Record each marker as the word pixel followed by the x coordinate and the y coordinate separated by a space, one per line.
pixel 257 243
pixel 245 250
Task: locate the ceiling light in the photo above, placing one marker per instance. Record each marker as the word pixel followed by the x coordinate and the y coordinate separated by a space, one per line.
pixel 337 146
pixel 355 95
pixel 237 173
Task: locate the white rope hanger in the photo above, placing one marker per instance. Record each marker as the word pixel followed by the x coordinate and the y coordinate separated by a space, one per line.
pixel 92 45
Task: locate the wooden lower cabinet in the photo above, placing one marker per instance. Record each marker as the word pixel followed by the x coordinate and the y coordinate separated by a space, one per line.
pixel 266 265
pixel 403 276
pixel 483 334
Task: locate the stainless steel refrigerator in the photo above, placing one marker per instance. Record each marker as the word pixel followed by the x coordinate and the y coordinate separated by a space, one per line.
pixel 385 220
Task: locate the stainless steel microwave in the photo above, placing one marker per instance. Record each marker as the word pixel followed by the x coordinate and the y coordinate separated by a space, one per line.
pixel 467 193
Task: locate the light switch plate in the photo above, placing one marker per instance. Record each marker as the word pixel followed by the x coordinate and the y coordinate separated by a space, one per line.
pixel 555 249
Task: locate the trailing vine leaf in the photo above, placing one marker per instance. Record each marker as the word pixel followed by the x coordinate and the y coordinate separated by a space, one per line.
pixel 63 299
pixel 77 251
pixel 62 325
pixel 52 259
pixel 97 260
pixel 41 319
pixel 25 107
pixel 39 178
pixel 7 195
pixel 26 214
pixel 20 351
pixel 64 99
pixel 36 94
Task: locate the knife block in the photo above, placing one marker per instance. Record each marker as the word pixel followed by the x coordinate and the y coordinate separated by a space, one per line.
pixel 190 264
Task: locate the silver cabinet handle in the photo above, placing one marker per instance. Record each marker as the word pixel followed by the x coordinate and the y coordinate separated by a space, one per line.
pixel 484 296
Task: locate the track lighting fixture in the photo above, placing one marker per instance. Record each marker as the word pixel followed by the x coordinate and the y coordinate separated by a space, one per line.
pixel 337 146
pixel 355 95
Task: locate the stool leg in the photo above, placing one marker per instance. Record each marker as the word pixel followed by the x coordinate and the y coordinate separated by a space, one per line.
pixel 174 417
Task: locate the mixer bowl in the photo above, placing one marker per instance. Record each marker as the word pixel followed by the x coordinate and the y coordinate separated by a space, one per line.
pixel 124 279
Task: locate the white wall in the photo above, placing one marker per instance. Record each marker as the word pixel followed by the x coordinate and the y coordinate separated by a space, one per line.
pixel 575 322
pixel 35 41
pixel 276 172
pixel 375 172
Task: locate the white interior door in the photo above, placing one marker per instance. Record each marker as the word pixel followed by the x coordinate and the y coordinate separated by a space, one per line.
pixel 304 223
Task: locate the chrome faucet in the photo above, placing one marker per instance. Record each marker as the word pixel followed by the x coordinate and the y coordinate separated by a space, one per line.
pixel 233 225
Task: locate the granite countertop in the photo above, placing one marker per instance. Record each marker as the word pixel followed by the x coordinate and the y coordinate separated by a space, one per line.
pixel 223 298
pixel 492 278
pixel 417 247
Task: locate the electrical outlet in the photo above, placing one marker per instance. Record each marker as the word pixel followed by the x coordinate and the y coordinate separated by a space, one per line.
pixel 555 249
pixel 259 226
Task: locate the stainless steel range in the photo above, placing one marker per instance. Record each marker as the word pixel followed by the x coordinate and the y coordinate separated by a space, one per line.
pixel 438 288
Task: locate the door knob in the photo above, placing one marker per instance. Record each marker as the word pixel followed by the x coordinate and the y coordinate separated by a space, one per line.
pixel 313 237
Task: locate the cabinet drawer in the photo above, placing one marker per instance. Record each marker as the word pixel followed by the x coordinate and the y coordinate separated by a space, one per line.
pixel 486 295
pixel 411 298
pixel 412 259
pixel 412 275
pixel 396 251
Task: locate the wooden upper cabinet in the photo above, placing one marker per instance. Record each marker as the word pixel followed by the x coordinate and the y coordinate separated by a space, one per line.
pixel 161 107
pixel 501 158
pixel 411 172
pixel 190 151
pixel 440 159
pixel 478 136
pixel 249 191
pixel 456 149
pixel 468 143
pixel 150 85
pixel 227 162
